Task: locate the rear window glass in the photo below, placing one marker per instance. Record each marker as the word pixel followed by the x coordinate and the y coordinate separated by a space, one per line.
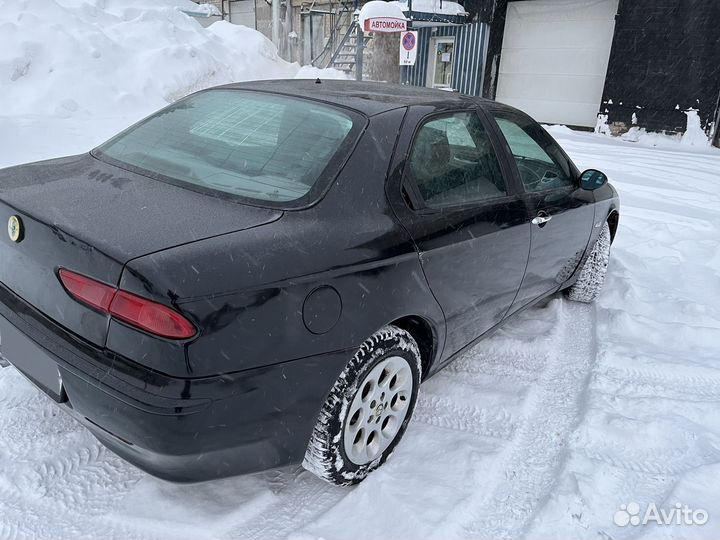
pixel 258 146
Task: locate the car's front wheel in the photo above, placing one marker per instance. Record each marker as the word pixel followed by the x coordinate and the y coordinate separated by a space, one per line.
pixel 367 410
pixel 592 275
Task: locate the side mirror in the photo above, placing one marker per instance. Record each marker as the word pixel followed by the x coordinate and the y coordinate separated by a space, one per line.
pixel 592 179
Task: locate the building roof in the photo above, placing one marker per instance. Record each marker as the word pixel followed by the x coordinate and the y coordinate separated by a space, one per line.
pixel 367 97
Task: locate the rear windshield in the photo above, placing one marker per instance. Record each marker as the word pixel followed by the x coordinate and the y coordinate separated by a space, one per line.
pixel 258 146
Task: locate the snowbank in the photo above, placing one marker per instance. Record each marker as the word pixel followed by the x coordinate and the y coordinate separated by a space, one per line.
pixel 77 59
pixel 694 137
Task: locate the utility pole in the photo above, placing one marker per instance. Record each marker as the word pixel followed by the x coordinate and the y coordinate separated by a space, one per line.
pixel 359 43
pixel 405 73
pixel 276 23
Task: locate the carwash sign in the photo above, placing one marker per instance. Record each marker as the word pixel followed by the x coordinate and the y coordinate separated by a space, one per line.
pixel 385 24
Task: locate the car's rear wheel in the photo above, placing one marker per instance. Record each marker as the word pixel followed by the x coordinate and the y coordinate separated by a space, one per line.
pixel 592 275
pixel 367 410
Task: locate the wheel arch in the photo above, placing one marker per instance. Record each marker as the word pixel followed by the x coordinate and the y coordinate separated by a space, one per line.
pixel 612 221
pixel 425 336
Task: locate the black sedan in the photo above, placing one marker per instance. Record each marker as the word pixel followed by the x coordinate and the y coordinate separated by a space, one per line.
pixel 263 273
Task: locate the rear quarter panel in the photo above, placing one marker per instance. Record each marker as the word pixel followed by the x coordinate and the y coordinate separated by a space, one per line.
pixel 247 290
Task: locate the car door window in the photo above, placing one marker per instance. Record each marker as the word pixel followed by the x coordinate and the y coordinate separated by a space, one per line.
pixel 539 160
pixel 452 161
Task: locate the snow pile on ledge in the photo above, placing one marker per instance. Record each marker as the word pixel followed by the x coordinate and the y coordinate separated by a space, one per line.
pixel 379 8
pixel 438 7
pixel 207 10
pixel 397 9
pixel 69 57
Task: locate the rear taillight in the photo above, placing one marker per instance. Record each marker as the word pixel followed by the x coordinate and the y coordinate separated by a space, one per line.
pixel 150 316
pixel 88 291
pixel 134 310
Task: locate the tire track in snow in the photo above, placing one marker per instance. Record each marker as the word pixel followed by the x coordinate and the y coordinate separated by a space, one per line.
pixel 89 479
pixel 648 396
pixel 526 471
pixel 442 412
pixel 449 400
pixel 519 366
pixel 300 497
pixel 638 382
pixel 663 461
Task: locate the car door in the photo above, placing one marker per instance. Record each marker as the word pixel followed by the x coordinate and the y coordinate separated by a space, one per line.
pixel 560 211
pixel 469 224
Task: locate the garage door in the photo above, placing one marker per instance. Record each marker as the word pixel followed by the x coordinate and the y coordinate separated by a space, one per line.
pixel 243 12
pixel 554 58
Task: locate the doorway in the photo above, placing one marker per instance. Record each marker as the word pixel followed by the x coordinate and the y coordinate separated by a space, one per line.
pixel 440 65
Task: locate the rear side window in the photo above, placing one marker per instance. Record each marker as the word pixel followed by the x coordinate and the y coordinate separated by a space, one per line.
pixel 539 160
pixel 452 162
pixel 258 146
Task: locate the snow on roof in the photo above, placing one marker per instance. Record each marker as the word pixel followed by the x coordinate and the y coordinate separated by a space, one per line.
pixel 439 7
pixel 378 9
pixel 201 10
pixel 396 10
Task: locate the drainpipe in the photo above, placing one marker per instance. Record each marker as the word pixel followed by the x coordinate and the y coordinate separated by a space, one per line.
pixel 276 23
pixel 288 31
pixel 359 45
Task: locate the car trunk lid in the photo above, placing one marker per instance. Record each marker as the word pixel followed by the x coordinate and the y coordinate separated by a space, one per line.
pixel 92 218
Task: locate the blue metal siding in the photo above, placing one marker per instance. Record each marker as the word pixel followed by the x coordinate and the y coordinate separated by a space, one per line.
pixel 469 58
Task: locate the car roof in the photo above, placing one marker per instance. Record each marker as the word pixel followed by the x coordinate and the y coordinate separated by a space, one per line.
pixel 369 98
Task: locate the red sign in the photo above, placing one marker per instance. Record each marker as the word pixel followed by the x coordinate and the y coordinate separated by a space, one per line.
pixel 385 24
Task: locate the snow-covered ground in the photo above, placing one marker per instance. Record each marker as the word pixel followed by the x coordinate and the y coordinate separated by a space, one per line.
pixel 543 430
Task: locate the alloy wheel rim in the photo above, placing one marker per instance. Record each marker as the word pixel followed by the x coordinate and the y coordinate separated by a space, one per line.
pixel 378 410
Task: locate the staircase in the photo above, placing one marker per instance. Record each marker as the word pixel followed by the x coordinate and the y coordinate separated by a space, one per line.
pixel 341 44
pixel 345 55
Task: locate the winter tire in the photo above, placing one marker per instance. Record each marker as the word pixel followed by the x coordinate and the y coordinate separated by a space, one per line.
pixel 592 275
pixel 367 410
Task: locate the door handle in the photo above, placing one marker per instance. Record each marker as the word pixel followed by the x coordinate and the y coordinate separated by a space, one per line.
pixel 541 220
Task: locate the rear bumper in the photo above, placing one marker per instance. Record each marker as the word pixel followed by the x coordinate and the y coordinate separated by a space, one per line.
pixel 184 430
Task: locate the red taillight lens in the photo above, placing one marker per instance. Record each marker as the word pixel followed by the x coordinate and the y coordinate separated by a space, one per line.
pixel 132 309
pixel 88 291
pixel 150 316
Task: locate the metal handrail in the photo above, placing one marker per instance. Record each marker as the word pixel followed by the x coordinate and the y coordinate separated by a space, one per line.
pixel 344 40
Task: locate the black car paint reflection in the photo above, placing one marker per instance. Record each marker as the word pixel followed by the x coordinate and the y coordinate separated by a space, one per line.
pixel 281 295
